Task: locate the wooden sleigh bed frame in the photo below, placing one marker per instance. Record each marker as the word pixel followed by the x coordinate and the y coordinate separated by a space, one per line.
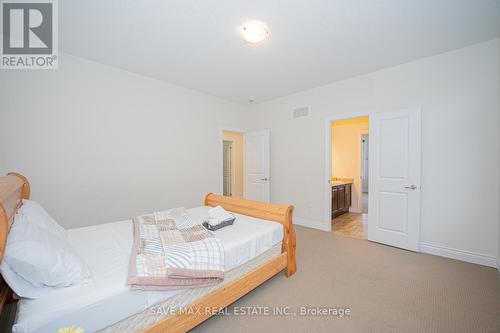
pixel 14 187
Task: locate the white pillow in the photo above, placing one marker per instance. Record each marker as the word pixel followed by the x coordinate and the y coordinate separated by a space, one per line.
pixel 40 258
pixel 20 286
pixel 38 216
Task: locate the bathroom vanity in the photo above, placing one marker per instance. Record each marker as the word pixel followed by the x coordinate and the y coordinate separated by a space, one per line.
pixel 341 196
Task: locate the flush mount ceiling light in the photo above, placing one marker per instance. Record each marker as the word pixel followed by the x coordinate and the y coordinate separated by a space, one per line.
pixel 254 31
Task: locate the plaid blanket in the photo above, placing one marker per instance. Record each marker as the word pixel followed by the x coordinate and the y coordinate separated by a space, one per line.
pixel 172 251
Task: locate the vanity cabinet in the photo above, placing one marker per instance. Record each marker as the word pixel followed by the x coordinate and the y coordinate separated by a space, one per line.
pixel 341 199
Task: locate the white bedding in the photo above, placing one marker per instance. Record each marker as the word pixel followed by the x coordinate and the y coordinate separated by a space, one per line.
pixel 107 299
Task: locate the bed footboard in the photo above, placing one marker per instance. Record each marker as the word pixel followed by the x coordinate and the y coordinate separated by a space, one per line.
pixel 182 322
pixel 277 213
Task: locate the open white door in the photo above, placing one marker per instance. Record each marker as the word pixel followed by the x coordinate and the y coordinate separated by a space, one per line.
pixel 257 166
pixel 394 180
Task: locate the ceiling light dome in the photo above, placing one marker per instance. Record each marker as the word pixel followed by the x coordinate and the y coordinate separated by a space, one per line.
pixel 254 31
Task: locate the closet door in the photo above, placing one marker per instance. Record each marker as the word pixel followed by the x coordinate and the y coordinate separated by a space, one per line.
pixel 257 166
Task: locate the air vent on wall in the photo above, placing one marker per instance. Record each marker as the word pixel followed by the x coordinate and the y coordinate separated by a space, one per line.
pixel 301 112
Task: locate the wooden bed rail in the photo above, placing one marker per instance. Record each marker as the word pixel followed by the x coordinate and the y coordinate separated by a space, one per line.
pixel 278 213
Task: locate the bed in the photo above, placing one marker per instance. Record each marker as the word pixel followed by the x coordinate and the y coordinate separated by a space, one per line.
pixel 256 248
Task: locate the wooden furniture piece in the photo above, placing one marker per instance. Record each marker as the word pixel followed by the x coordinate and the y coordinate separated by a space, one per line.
pixel 15 187
pixel 341 199
pixel 221 298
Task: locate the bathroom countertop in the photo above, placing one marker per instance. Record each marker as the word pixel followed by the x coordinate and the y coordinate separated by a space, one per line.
pixel 340 182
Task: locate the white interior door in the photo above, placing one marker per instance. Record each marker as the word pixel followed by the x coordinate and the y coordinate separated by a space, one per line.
pixel 257 166
pixel 394 181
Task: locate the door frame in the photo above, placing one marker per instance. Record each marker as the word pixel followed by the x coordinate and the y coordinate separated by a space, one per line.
pixel 327 223
pixel 220 186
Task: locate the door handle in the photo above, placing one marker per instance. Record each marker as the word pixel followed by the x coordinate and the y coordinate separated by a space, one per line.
pixel 411 187
pixel 265 179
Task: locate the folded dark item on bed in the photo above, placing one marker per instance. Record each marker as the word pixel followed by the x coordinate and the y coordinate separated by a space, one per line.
pixel 220 224
pixel 172 251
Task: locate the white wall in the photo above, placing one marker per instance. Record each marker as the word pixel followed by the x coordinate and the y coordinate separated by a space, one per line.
pixel 458 93
pixel 100 144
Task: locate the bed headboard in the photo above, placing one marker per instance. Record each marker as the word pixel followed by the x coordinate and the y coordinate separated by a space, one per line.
pixel 13 188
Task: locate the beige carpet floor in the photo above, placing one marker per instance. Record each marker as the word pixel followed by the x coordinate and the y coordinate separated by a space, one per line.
pixel 386 289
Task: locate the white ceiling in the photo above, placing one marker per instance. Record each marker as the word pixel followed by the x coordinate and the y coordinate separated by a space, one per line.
pixel 311 42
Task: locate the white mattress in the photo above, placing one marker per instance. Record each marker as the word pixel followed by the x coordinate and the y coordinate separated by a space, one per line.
pixel 107 299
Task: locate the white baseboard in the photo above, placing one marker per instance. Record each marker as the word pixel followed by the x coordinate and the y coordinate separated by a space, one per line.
pixel 310 223
pixel 436 250
pixel 474 258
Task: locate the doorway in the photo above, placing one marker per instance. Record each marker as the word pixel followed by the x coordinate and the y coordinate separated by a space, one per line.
pixel 245 164
pixel 232 164
pixel 349 177
pixel 394 154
